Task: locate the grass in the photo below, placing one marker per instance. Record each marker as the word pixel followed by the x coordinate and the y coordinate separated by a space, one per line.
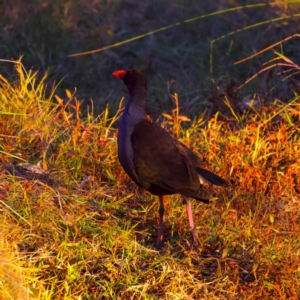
pixel 76 227
pixel 175 60
pixel 73 225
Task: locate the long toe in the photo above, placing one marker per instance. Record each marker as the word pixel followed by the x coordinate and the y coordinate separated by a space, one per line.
pixel 159 244
pixel 194 245
pixel 160 238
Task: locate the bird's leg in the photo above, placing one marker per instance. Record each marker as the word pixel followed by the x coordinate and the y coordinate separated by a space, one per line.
pixel 160 230
pixel 194 242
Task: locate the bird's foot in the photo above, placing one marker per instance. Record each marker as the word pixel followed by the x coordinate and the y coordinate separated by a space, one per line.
pixel 159 245
pixel 160 237
pixel 194 245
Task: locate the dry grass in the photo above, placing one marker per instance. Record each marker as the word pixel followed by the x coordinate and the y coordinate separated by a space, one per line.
pixel 75 226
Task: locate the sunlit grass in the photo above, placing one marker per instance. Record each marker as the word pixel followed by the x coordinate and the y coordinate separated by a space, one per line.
pixel 74 226
pixel 83 230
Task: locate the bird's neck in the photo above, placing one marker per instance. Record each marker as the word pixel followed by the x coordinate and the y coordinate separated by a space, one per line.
pixel 135 107
pixel 134 113
pixel 138 97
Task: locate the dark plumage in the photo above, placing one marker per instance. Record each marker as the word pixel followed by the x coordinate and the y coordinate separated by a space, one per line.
pixel 154 159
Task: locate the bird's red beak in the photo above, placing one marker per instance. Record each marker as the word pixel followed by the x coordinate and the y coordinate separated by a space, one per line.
pixel 120 73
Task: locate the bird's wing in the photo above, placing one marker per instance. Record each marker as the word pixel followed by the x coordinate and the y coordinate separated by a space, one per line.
pixel 161 159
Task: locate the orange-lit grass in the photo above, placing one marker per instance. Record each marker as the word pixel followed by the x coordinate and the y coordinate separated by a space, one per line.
pixel 89 232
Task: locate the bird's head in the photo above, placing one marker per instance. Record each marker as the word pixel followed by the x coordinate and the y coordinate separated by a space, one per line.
pixel 134 79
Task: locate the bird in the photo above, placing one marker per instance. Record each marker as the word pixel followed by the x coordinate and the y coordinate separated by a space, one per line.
pixel 155 160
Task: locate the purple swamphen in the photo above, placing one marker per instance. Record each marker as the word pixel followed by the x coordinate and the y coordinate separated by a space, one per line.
pixel 154 159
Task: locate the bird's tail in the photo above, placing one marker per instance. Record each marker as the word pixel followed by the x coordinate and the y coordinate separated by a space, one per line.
pixel 210 177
